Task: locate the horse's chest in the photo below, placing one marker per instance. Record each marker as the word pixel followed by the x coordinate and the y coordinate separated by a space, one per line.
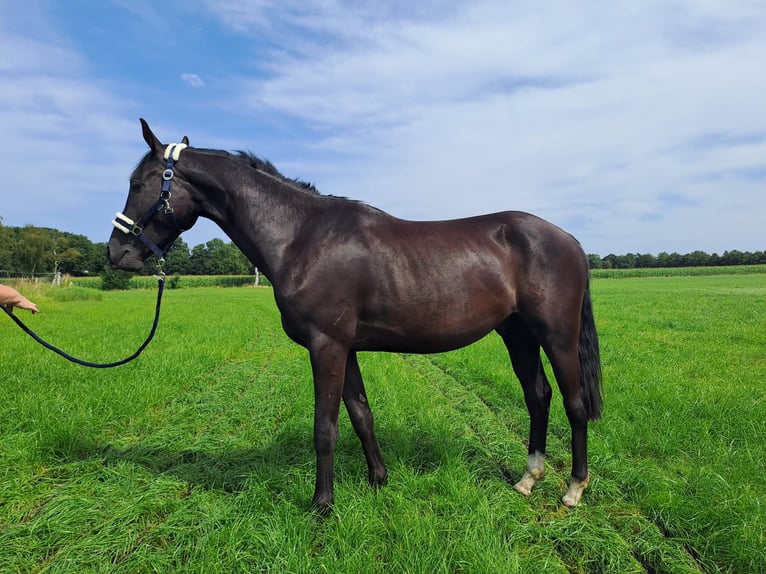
pixel 305 318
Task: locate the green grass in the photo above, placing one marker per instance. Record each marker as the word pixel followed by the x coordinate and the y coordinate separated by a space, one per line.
pixel 678 271
pixel 174 281
pixel 198 456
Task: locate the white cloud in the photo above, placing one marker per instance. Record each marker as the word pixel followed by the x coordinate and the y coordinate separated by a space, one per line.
pixel 193 80
pixel 584 113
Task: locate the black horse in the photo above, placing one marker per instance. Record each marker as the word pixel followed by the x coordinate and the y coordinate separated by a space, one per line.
pixel 348 277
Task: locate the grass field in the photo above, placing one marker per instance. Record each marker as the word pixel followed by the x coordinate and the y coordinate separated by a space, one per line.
pixel 198 456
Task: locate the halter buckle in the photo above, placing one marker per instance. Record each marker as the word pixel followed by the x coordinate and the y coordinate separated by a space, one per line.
pixel 160 275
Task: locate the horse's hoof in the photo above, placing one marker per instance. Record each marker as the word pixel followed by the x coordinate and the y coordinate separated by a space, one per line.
pixel 524 486
pixel 322 508
pixel 535 471
pixel 576 488
pixel 378 478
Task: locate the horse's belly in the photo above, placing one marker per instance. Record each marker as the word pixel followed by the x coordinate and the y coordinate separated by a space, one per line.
pixel 441 332
pixel 420 344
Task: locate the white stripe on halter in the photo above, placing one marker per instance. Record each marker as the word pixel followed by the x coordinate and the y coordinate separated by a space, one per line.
pixel 175 149
pixel 120 219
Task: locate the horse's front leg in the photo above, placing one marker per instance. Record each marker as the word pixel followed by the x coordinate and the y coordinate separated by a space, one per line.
pixel 328 363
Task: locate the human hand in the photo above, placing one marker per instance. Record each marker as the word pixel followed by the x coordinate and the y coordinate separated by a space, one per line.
pixel 24 303
pixel 12 298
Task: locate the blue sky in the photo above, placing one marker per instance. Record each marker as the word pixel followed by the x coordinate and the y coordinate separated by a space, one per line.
pixel 636 126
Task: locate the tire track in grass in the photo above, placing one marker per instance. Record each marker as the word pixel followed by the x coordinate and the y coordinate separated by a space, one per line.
pixel 492 380
pixel 579 541
pixel 654 548
pixel 500 443
pixel 499 426
pixel 619 523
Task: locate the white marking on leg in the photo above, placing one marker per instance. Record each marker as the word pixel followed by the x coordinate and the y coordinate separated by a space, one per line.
pixel 576 488
pixel 535 471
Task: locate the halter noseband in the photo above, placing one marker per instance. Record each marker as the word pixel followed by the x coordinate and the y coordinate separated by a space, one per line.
pixel 130 227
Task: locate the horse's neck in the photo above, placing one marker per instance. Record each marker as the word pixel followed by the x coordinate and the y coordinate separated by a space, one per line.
pixel 261 215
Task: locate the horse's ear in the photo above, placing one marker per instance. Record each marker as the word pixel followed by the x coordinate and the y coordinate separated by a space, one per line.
pixel 185 140
pixel 149 137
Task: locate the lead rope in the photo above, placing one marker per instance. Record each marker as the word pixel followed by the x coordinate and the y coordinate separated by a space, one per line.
pixel 67 356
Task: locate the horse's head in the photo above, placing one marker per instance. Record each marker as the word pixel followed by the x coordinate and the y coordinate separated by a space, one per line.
pixel 159 207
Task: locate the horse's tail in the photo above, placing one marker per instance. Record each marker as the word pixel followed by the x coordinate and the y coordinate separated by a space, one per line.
pixel 590 359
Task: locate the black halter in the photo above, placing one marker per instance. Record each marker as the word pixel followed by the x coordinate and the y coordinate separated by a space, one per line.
pixel 128 226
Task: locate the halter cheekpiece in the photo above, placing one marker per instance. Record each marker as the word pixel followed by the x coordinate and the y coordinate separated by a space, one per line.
pixel 130 227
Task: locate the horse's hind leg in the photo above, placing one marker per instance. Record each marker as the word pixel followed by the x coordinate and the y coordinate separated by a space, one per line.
pixel 525 357
pixel 565 361
pixel 355 398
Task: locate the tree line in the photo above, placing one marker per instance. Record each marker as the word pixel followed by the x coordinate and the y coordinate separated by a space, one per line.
pixel 665 260
pixel 35 251
pixel 31 250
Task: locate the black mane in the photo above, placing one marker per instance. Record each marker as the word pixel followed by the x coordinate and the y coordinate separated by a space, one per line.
pixel 267 167
pixel 250 160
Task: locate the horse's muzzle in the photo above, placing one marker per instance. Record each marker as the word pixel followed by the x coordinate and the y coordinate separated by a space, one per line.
pixel 123 255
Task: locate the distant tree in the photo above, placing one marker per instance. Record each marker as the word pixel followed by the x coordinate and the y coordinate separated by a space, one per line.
pixel 32 251
pixel 95 260
pixel 244 265
pixel 92 255
pixel 218 258
pixel 198 260
pixel 177 259
pixel 7 243
pixel 62 257
pixel 665 259
pixel 732 258
pixel 610 261
pixel 696 259
pixel 627 261
pixel 594 261
pixel 225 258
pixel 646 260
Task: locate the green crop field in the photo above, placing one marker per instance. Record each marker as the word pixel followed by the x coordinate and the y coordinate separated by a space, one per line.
pixel 198 456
